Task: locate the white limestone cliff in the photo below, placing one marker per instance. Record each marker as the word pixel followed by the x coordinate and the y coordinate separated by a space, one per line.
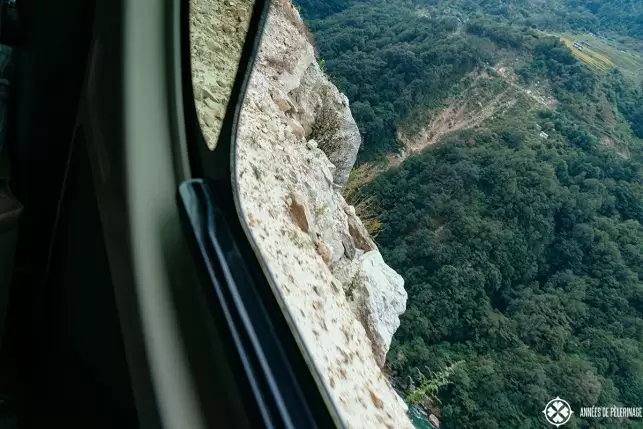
pixel 344 299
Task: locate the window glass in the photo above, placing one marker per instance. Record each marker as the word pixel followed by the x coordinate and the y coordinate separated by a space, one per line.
pixel 217 32
pixel 449 196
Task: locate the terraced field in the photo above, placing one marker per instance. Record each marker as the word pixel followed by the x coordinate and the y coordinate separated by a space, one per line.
pixel 603 54
pixel 589 56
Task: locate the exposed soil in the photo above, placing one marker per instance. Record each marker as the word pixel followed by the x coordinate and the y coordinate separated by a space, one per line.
pixel 465 113
pixel 609 142
pixel 458 115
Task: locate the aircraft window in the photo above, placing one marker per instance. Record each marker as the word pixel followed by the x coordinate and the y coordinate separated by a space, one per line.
pixel 295 145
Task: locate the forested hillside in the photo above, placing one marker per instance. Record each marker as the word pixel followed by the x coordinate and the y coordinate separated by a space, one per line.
pixel 519 234
pixel 617 16
pixel 524 260
pixel 393 60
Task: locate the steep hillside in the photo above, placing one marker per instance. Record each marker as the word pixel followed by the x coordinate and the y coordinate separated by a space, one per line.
pixel 399 61
pixel 482 95
pixel 620 18
pixel 503 170
pixel 297 142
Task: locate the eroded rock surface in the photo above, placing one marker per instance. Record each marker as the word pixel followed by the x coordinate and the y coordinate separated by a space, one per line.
pixel 343 297
pixel 304 93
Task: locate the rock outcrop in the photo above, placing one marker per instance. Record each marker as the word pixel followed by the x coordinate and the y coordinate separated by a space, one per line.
pixel 344 299
pixel 325 115
pixel 378 298
pixel 301 90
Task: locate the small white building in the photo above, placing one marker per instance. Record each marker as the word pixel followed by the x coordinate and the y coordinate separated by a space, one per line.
pixel 544 135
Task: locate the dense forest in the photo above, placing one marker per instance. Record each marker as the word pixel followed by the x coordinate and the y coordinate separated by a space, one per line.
pixel 392 60
pixel 520 239
pixel 619 16
pixel 523 260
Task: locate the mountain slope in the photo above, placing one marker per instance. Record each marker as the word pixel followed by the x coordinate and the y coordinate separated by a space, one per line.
pixel 514 208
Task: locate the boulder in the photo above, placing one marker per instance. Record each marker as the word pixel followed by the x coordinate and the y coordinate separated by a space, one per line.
pixel 315 246
pixel 325 252
pixel 358 232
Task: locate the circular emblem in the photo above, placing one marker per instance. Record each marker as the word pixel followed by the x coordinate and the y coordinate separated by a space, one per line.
pixel 557 412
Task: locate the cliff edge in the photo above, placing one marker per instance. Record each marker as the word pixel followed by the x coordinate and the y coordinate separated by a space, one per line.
pixel 296 144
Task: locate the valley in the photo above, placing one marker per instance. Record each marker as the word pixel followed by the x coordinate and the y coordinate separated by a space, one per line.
pixel 501 171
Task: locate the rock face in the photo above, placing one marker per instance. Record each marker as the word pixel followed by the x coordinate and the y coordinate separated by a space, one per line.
pixel 324 114
pixel 344 299
pixel 305 95
pixel 378 300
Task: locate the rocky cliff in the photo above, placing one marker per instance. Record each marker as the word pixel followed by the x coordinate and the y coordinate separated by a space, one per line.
pixel 297 142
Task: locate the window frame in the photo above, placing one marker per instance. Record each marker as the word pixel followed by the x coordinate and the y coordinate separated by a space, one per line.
pixel 298 395
pixel 177 276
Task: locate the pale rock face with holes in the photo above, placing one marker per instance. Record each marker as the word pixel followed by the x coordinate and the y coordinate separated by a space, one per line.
pixel 300 89
pixel 344 299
